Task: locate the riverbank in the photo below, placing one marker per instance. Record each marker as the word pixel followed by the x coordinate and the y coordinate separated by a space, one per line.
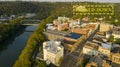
pixel 11 48
pixel 9 39
pixel 8 30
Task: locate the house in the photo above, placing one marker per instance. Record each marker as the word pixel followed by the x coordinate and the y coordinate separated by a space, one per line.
pixel 116 55
pixel 86 19
pixel 55 34
pixel 97 61
pixel 105 49
pixel 104 27
pixel 90 48
pixel 53 52
pixel 62 26
pixel 83 31
pixel 116 34
pixel 92 26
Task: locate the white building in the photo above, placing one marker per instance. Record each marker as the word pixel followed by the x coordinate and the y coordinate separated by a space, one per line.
pixel 53 52
pixel 90 48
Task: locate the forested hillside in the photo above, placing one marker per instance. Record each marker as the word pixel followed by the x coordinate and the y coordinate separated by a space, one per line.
pixel 42 9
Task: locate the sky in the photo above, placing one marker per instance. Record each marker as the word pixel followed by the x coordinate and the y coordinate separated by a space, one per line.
pixel 111 1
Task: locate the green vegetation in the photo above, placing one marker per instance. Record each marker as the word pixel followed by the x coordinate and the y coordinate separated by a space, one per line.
pixel 45 9
pixel 111 39
pixel 110 18
pixel 84 62
pixel 9 29
pixel 42 9
pixel 42 64
pixel 26 55
pixel 118 41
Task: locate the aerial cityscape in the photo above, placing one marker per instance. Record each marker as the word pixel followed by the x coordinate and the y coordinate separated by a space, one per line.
pixel 59 33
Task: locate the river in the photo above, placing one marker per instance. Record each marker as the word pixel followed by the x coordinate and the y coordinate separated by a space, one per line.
pixel 12 47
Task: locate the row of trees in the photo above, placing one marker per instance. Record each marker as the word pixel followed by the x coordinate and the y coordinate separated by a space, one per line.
pixel 7 30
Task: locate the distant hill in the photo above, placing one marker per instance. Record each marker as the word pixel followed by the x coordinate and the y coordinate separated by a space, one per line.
pixel 44 9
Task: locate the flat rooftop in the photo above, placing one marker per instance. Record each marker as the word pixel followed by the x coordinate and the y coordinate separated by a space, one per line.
pixel 53 46
pixel 116 50
pixel 61 33
pixel 91 45
pixel 74 35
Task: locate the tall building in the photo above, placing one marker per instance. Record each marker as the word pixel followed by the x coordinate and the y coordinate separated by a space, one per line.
pixel 53 52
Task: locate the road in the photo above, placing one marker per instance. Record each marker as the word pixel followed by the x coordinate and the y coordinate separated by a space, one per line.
pixel 72 58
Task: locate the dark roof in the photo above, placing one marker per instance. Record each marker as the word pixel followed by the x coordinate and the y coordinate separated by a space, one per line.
pixel 91 45
pixel 61 33
pixel 116 50
pixel 68 42
pixel 97 60
pixel 74 35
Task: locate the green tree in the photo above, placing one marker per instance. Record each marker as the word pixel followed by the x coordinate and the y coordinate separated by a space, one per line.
pixel 111 39
pixel 118 41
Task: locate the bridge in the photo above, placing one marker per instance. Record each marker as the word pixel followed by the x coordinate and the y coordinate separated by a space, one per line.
pixel 30 22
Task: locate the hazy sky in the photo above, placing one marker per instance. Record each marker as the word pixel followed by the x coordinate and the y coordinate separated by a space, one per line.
pixel 115 1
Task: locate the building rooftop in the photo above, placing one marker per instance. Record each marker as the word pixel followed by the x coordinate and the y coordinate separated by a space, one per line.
pixel 116 50
pixel 91 45
pixel 53 46
pixel 68 42
pixel 74 35
pixel 97 60
pixel 90 26
pixel 56 32
pixel 80 31
pixel 116 32
pixel 106 46
pixel 63 18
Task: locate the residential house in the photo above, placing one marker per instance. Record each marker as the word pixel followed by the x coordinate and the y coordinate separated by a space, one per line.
pixel 90 48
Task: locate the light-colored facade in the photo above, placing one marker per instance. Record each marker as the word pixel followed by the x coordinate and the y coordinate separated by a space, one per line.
pixel 62 26
pixel 53 52
pixel 116 58
pixel 85 32
pixel 116 55
pixel 116 34
pixel 90 48
pixel 54 35
pixel 104 27
pixel 105 49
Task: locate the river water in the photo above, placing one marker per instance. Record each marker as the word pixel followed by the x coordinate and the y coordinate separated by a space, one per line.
pixel 12 47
